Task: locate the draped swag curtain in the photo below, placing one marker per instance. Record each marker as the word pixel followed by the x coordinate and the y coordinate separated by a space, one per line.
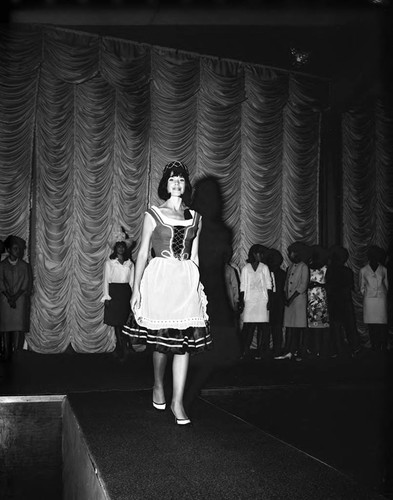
pixel 367 136
pixel 87 124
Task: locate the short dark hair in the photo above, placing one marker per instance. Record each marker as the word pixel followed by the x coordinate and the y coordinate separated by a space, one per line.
pixel 377 253
pixel 338 254
pixel 113 255
pixel 302 250
pixel 171 169
pixel 274 258
pixel 254 249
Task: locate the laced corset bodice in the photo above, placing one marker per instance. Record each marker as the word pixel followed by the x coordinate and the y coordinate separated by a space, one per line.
pixel 173 238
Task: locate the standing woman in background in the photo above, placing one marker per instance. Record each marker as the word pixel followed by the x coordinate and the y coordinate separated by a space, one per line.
pixel 317 303
pixel 295 313
pixel 16 282
pixel 118 279
pixel 168 299
pixel 255 291
pixel 373 284
pixel 274 259
pixel 339 287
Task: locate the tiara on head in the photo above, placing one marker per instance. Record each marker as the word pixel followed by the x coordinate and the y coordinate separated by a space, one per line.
pixel 176 164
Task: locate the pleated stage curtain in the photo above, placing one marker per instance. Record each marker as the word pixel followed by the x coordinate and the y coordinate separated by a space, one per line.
pixel 87 124
pixel 367 187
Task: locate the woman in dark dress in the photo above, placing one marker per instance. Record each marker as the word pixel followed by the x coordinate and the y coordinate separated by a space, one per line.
pixel 339 287
pixel 274 259
pixel 118 280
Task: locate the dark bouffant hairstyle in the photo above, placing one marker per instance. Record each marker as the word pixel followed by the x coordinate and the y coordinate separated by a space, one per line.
pixel 376 253
pixel 274 258
pixel 301 250
pixel 318 256
pixel 11 240
pixel 254 249
pixel 127 255
pixel 171 169
pixel 338 254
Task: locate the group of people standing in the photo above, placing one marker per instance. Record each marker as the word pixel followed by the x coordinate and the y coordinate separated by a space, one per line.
pixel 308 309
pixel 160 302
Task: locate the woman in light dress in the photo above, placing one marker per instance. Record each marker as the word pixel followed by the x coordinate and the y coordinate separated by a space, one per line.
pixel 373 284
pixel 255 290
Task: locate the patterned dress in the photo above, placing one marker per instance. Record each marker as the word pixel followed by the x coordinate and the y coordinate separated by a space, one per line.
pixel 173 302
pixel 317 309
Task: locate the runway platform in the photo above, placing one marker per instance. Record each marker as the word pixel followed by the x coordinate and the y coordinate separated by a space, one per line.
pixel 97 414
pixel 139 453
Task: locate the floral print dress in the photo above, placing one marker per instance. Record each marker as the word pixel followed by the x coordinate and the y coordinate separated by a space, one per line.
pixel 317 308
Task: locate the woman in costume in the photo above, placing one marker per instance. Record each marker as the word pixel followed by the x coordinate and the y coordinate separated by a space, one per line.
pixel 168 299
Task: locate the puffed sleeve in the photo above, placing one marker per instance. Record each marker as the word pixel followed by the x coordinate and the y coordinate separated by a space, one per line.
pixel 105 294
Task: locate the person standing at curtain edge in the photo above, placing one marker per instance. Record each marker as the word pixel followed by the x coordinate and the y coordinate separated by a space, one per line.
pixel 373 284
pixel 118 280
pixel 168 298
pixel 16 280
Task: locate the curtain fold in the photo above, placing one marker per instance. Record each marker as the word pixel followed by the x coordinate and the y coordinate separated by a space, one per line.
pixel 174 90
pixel 107 115
pixel 20 58
pixel 367 187
pixel 261 219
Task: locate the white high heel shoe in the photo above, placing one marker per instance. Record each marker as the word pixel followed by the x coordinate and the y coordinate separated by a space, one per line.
pixel 159 406
pixel 181 421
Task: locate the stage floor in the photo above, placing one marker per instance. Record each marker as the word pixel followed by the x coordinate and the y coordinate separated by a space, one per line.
pixel 262 429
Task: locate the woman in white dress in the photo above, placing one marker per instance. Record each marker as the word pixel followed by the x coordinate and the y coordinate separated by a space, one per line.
pixel 255 287
pixel 373 284
pixel 168 299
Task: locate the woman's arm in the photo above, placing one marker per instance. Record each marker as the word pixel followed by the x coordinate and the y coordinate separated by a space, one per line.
pixel 195 245
pixel 132 275
pixel 304 279
pixel 147 231
pixel 105 286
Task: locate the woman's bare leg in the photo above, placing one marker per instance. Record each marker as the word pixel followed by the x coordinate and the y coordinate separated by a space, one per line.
pixel 159 365
pixel 179 370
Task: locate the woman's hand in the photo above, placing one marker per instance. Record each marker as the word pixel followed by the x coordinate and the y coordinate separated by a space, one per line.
pixel 135 300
